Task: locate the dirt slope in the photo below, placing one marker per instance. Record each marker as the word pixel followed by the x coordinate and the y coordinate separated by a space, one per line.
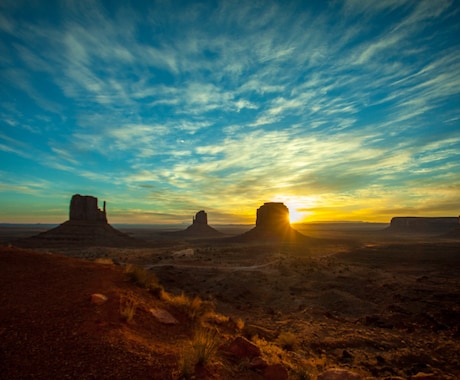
pixel 49 329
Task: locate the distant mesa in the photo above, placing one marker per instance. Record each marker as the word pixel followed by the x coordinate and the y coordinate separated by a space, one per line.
pixel 199 228
pixel 87 225
pixel 454 233
pixel 272 223
pixel 422 225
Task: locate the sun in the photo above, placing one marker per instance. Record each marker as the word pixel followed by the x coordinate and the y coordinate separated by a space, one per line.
pixel 295 216
pixel 298 207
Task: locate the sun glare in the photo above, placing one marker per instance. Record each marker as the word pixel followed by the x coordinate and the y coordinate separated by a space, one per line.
pixel 298 207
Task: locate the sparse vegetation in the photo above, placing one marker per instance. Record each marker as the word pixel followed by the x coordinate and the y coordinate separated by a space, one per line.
pixel 205 344
pixel 287 341
pixel 200 351
pixel 239 324
pixel 145 279
pixel 104 261
pixel 186 364
pixel 195 308
pixel 127 308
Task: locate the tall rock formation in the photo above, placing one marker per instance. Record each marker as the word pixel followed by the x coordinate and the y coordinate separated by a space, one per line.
pixel 272 224
pixel 87 226
pixel 200 218
pixel 272 216
pixel 199 229
pixel 85 208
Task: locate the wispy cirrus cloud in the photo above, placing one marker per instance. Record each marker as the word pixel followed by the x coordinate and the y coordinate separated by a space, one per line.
pixel 236 104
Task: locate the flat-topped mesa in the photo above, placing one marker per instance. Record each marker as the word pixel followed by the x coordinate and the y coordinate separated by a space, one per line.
pixel 272 224
pixel 85 208
pixel 424 225
pixel 272 216
pixel 200 218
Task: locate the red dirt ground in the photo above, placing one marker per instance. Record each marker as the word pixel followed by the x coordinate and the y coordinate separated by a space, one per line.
pixel 49 329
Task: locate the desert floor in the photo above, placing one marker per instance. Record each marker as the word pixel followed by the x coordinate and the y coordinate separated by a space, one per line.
pixel 355 298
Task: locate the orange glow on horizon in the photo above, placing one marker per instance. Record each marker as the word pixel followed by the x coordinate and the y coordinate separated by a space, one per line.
pixel 298 206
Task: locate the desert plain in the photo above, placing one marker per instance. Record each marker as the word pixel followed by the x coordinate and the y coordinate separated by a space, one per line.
pixel 352 297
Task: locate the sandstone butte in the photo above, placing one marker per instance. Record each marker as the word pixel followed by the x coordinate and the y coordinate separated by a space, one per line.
pixel 87 226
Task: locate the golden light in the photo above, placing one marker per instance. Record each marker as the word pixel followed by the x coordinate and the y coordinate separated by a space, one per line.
pixel 298 206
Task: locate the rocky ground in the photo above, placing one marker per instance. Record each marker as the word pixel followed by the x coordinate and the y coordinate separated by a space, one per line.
pixel 378 307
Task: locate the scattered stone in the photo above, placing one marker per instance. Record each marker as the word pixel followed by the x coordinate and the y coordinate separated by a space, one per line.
pixel 424 376
pixel 164 317
pixel 339 374
pixel 242 348
pixel 258 363
pixel 276 372
pixel 184 252
pixel 98 298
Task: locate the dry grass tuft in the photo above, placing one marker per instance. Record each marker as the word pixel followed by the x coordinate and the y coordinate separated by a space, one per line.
pixel 127 308
pixel 200 351
pixel 287 341
pixel 104 261
pixel 145 279
pixel 195 308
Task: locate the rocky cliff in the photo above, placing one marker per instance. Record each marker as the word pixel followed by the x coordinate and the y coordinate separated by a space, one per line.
pixel 423 225
pixel 85 208
pixel 272 216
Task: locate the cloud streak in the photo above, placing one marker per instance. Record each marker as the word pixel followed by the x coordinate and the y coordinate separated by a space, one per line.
pixel 345 105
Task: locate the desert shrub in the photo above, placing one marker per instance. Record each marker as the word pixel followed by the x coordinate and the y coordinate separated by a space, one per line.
pixel 239 324
pixel 287 340
pixel 186 365
pixel 195 308
pixel 205 344
pixel 200 351
pixel 250 332
pixel 143 278
pixel 127 308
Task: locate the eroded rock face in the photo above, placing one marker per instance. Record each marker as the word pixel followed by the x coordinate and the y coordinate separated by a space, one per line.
pixel 85 208
pixel 423 224
pixel 272 216
pixel 200 218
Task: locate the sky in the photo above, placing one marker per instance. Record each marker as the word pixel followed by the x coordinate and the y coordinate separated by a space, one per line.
pixel 343 110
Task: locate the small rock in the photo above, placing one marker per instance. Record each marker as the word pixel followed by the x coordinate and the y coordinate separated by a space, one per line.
pixel 424 376
pixel 258 363
pixel 243 348
pixel 98 298
pixel 164 317
pixel 276 372
pixel 339 374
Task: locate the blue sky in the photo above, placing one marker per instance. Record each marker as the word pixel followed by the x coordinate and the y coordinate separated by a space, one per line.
pixel 344 110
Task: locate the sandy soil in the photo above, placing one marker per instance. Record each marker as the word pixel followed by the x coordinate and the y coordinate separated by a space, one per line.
pixel 378 305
